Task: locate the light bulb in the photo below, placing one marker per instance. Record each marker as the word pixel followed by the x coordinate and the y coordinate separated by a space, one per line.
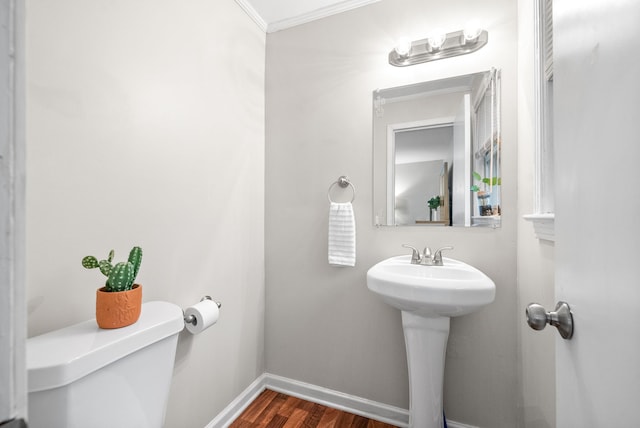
pixel 471 32
pixel 403 47
pixel 436 40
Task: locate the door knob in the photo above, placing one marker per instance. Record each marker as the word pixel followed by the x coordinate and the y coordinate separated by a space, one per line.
pixel 561 318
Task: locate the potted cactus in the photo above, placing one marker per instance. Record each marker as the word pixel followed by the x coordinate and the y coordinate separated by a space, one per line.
pixel 119 302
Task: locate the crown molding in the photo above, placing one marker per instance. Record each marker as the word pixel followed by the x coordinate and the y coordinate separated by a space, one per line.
pixel 324 12
pixel 255 16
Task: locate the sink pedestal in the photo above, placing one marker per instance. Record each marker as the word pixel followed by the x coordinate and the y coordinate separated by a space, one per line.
pixel 426 343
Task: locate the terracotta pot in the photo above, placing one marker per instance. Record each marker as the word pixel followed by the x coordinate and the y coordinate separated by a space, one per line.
pixel 118 309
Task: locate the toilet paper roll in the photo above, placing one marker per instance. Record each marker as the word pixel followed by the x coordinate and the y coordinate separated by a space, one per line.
pixel 205 314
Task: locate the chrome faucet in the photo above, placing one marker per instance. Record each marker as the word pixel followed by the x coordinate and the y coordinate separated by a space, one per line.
pixel 416 258
pixel 426 258
pixel 437 256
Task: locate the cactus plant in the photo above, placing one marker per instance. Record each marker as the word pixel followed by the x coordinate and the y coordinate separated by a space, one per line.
pixel 121 276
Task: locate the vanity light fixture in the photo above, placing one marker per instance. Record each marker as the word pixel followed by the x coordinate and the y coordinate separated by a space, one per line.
pixel 438 46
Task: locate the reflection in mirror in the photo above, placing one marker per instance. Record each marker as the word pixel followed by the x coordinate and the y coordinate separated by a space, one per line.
pixel 437 152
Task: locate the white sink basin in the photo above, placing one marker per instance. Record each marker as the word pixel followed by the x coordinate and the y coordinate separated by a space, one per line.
pixel 451 290
pixel 428 296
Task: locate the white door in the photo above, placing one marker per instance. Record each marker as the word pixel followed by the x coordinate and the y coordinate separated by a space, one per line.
pixel 597 140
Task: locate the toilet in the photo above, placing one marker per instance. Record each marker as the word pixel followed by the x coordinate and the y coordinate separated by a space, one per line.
pixel 83 376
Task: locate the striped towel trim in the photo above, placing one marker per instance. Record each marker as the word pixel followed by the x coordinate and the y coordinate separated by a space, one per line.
pixel 342 234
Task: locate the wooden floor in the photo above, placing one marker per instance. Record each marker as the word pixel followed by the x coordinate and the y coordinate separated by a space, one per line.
pixel 275 410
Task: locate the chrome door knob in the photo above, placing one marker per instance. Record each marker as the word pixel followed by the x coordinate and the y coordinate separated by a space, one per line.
pixel 561 318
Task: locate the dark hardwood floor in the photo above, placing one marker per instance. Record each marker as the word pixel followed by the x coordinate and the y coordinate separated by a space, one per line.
pixel 275 410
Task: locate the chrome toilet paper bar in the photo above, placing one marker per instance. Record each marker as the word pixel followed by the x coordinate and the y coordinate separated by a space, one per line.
pixel 190 319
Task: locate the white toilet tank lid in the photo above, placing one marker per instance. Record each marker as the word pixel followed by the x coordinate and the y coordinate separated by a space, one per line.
pixel 62 356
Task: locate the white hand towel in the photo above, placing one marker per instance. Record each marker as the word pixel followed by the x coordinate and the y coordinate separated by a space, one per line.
pixel 342 234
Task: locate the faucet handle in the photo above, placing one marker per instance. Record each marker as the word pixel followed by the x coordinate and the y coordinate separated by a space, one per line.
pixel 415 255
pixel 437 256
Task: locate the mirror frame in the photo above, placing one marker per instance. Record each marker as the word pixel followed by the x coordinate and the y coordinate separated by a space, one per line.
pixel 384 151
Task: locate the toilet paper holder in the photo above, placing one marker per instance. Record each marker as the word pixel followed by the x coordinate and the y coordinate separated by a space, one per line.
pixel 191 319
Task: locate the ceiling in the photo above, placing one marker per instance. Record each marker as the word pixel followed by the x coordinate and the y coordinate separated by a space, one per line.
pixel 275 15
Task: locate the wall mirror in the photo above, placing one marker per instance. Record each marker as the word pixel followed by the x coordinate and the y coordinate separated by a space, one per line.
pixel 436 153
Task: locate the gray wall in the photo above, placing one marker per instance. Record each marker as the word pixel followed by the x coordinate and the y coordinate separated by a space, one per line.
pixel 322 324
pixel 419 181
pixel 145 126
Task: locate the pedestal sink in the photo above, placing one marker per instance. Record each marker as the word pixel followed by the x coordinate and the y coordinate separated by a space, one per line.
pixel 428 297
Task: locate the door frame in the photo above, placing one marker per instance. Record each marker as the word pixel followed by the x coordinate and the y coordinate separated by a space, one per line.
pixel 13 375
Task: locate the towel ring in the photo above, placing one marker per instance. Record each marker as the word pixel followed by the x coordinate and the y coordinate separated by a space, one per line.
pixel 342 181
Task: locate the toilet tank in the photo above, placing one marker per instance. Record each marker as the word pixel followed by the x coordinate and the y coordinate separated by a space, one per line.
pixel 86 377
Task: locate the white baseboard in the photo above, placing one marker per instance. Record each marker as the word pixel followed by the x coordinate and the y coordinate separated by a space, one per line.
pixel 454 424
pixel 338 400
pixel 237 406
pixel 316 394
